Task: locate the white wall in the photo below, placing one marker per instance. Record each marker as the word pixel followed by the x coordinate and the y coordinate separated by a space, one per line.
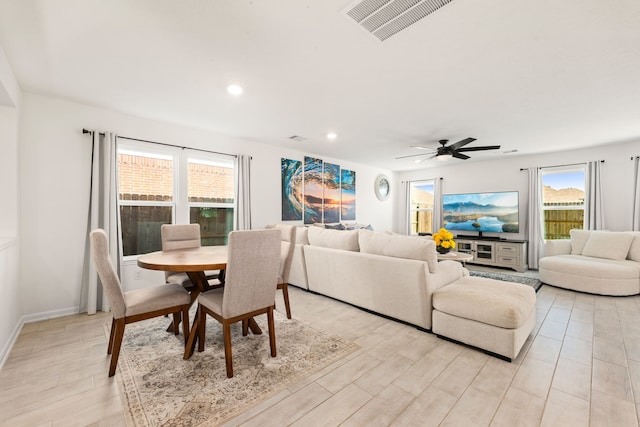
pixel 55 164
pixel 10 298
pixel 505 175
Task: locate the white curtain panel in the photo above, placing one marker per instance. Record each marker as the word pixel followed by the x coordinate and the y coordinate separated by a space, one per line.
pixel 593 206
pixel 243 192
pixel 103 213
pixel 636 194
pixel 535 225
pixel 437 204
pixel 406 208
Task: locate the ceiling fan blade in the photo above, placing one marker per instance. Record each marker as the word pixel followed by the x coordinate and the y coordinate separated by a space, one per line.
pixel 419 147
pixel 486 147
pixel 426 158
pixel 412 155
pixel 459 156
pixel 461 143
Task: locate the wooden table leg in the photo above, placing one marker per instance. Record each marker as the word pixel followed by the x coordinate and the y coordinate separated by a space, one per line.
pixel 254 327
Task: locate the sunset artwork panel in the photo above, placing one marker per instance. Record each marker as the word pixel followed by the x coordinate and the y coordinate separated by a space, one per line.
pixel 331 199
pixel 313 190
pixel 348 182
pixel 292 199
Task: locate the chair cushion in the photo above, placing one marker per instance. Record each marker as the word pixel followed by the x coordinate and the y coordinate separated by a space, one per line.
pixel 608 244
pixel 155 298
pixel 634 250
pixel 399 246
pixel 494 302
pixel 212 300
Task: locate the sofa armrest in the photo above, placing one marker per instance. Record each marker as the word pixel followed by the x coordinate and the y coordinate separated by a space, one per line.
pixel 557 247
pixel 446 272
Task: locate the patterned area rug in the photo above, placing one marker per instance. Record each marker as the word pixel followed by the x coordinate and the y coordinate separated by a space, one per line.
pixel 535 283
pixel 159 388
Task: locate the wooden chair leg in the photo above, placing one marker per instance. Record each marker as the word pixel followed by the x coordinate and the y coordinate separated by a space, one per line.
pixel 226 329
pixel 185 323
pixel 117 342
pixel 201 324
pixel 272 332
pixel 176 322
pixel 245 327
pixel 285 295
pixel 111 335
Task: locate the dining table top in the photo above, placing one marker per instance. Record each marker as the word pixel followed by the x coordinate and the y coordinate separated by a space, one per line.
pixel 186 260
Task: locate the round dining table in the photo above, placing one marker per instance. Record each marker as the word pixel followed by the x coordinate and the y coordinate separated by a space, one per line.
pixel 194 262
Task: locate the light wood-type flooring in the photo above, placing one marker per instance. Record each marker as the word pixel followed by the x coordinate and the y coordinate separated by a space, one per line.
pixel 580 367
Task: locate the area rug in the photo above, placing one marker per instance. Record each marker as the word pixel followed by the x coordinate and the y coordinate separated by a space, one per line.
pixel 531 281
pixel 159 388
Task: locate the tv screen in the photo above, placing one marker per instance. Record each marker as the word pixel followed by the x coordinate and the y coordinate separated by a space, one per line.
pixel 482 212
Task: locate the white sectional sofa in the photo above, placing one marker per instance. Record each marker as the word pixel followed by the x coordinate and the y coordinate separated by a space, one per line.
pixel 392 275
pixel 597 262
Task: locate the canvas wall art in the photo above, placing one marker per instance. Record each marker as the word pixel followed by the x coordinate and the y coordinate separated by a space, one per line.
pixel 292 200
pixel 313 190
pixel 317 192
pixel 331 199
pixel 348 186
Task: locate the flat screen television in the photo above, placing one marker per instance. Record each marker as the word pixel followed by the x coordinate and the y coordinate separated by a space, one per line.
pixel 495 212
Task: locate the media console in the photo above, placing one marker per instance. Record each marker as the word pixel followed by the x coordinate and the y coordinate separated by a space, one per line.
pixel 494 252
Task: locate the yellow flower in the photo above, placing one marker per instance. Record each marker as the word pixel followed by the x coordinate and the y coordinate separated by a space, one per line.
pixel 444 239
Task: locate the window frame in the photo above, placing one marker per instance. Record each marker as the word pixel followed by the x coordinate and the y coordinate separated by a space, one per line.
pixel 180 204
pixel 413 211
pixel 558 171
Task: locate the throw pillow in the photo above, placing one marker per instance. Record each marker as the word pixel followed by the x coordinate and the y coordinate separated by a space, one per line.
pixel 634 250
pixel 336 239
pixel 399 246
pixel 608 245
pixel 578 240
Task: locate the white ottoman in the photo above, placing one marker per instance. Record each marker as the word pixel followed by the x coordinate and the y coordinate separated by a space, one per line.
pixel 493 315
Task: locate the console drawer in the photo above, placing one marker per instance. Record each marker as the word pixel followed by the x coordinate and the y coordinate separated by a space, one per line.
pixel 507 260
pixel 507 249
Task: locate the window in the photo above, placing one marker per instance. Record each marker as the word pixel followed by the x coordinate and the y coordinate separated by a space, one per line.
pixel 421 199
pixel 563 201
pixel 160 185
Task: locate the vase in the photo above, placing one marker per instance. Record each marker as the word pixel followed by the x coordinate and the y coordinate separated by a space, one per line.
pixel 442 250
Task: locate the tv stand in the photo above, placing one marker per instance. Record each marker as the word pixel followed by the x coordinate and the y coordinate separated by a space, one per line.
pixel 494 252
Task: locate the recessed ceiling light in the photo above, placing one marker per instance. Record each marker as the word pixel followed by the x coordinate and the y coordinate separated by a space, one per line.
pixel 235 90
pixel 332 135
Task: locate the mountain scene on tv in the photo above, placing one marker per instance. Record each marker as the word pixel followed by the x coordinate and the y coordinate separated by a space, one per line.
pixel 485 212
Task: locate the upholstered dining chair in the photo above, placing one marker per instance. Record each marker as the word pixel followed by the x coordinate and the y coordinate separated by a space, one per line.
pixel 286 255
pixel 183 236
pixel 250 287
pixel 136 305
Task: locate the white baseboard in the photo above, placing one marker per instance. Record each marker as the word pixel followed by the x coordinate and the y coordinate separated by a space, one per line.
pixel 4 355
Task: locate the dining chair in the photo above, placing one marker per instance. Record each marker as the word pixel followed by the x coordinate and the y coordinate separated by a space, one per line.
pixel 183 236
pixel 287 246
pixel 134 306
pixel 250 287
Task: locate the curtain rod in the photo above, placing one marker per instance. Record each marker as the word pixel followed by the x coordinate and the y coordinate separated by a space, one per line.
pixel 559 166
pixel 162 143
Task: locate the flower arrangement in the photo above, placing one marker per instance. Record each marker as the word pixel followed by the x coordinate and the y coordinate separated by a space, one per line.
pixel 444 241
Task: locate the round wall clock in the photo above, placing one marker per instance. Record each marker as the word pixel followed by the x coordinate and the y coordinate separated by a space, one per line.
pixel 382 187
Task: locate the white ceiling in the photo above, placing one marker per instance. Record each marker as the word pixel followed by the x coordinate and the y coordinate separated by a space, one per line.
pixel 532 76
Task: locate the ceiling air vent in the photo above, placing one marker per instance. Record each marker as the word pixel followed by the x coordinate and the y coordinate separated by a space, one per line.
pixel 384 18
pixel 298 138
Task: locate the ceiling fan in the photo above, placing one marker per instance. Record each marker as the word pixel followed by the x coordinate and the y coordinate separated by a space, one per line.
pixel 445 152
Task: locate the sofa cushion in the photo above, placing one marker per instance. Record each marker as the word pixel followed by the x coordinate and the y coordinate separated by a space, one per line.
pixel 399 246
pixel 336 239
pixel 578 240
pixel 302 236
pixel 634 249
pixel 582 267
pixel 494 302
pixel 608 244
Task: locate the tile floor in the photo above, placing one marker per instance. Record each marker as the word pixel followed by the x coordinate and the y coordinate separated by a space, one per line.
pixel 580 367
